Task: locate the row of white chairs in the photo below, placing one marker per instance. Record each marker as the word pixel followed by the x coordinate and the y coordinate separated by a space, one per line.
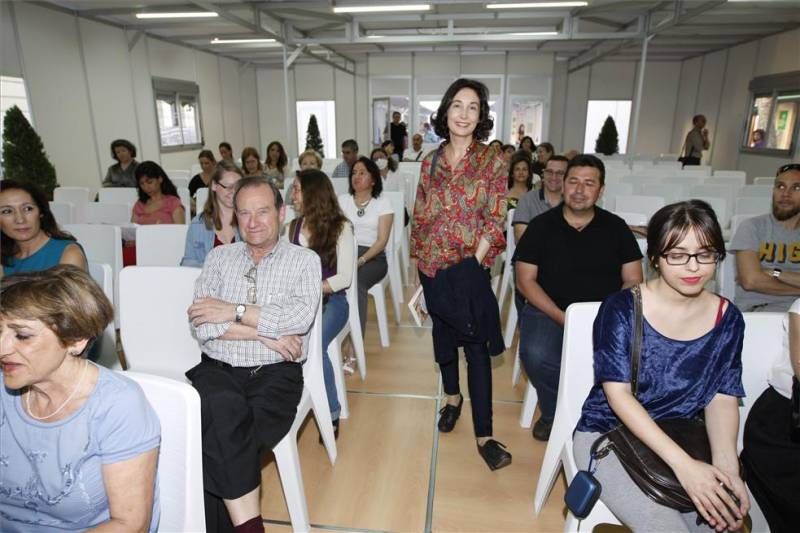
pixel 74 206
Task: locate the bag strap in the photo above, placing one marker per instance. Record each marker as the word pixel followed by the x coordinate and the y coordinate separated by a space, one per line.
pixel 636 340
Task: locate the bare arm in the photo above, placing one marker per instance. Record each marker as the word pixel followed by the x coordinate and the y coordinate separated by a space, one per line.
pixel 534 293
pixel 632 274
pixel 519 229
pixel 130 485
pixel 794 342
pixel 73 255
pixel 384 231
pixel 788 277
pixel 179 215
pixel 752 278
pixel 482 250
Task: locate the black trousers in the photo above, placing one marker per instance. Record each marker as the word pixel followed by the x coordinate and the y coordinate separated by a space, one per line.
pixel 479 381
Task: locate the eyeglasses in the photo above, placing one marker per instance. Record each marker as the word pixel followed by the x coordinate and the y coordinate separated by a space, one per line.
pixel 787 168
pixel 548 172
pixel 228 186
pixel 252 276
pixel 681 258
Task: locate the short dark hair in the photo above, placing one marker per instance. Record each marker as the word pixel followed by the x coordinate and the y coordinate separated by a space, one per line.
pixel 485 122
pixel 557 158
pixel 257 181
pixel 151 169
pixel 125 144
pixel 496 141
pixel 518 157
pixel 207 154
pixel 548 147
pixel 350 144
pixel 588 160
pixel 696 118
pixel 507 147
pixel 528 138
pixel 225 144
pixel 670 224
pixel 374 171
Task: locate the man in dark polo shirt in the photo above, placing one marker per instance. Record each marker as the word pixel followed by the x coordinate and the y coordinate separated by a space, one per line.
pixel 575 252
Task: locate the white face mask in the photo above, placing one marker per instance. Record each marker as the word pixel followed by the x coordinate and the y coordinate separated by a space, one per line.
pixel 382 163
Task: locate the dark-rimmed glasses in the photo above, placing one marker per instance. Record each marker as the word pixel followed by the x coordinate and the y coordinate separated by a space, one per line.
pixel 682 258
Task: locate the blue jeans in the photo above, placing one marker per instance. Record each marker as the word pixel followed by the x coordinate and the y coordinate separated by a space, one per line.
pixel 540 339
pixel 334 317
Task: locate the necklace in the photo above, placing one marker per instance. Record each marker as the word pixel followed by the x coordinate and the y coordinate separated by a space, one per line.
pixel 361 207
pixel 69 398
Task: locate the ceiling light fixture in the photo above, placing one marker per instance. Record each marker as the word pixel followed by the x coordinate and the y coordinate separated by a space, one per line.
pixel 534 5
pixel 179 15
pixel 382 9
pixel 216 40
pixel 533 33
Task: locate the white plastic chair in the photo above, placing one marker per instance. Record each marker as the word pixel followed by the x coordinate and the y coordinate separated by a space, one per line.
pixel 646 205
pixel 752 205
pixel 395 251
pixel 720 207
pixel 177 174
pixel 108 213
pixel 78 197
pixel 329 165
pixel 670 192
pixel 758 191
pixel 160 244
pixel 764 180
pixel 118 195
pixel 700 171
pixel 737 176
pixel 200 198
pixel 612 190
pixel 340 185
pixel 63 212
pixel 106 344
pixel 180 457
pixel 181 182
pixel 101 243
pixel 726 276
pixel 378 294
pixel 507 281
pixel 632 219
pixel 686 181
pixel 186 201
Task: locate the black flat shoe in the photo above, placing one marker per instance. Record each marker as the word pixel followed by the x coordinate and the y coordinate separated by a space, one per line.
pixel 495 454
pixel 449 415
pixel 335 432
pixel 541 430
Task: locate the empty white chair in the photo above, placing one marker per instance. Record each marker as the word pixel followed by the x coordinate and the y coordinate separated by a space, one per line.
pixel 341 185
pixel 180 182
pixel 758 191
pixel 63 212
pixel 200 198
pixel 174 174
pixel 638 179
pixel 639 204
pixel 726 277
pixel 160 244
pixel 724 191
pixel 378 294
pixel 764 180
pixel 329 165
pixel 77 196
pixel 720 207
pixel 186 201
pixel 507 281
pixel 106 213
pixel 106 344
pixel 669 191
pixel 739 176
pixel 752 205
pixel 394 249
pixel 701 171
pixel 667 162
pixel 688 181
pixel 632 219
pixel 118 195
pixel 612 190
pixel 180 456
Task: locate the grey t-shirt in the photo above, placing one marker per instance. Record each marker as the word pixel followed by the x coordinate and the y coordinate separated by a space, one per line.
pixel 530 206
pixel 777 247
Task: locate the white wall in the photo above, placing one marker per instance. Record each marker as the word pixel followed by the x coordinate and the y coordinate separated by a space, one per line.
pixel 86 89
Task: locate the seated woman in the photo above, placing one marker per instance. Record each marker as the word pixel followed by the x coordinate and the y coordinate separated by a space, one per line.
pixel 771 454
pixel 276 167
pixel 80 442
pixel 389 148
pixel 309 159
pixel 386 164
pixel 31 239
pixel 251 163
pixel 158 198
pixel 690 365
pixel 203 179
pixel 322 226
pixel 543 154
pixel 214 225
pixel 121 173
pixel 520 178
pixel 372 218
pixel 528 145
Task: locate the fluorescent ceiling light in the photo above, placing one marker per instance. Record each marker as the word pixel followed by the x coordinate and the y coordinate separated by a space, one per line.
pixel 240 41
pixel 534 33
pixel 382 9
pixel 179 15
pixel 375 36
pixel 533 5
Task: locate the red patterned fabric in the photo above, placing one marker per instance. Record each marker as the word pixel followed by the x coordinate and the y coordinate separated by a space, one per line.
pixel 456 206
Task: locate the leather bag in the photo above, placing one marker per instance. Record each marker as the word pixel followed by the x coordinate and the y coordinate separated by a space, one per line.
pixel 650 473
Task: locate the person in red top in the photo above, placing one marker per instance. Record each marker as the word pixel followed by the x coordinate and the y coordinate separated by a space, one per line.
pixel 456 234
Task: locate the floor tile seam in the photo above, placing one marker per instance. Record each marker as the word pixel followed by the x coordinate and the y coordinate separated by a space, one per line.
pixel 326 526
pixel 419 396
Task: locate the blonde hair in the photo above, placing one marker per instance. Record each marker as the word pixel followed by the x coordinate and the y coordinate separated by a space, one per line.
pixel 310 153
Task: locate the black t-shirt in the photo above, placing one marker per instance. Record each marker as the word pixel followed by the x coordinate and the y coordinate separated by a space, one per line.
pixel 397 133
pixel 196 183
pixel 578 266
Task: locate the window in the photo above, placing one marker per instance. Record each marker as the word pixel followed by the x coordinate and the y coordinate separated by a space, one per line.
pixel 771 126
pixel 382 110
pixel 596 114
pixel 526 119
pixel 178 113
pixel 12 93
pixel 325 112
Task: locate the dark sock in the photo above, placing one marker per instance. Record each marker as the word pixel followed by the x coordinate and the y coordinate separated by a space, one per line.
pixel 254 525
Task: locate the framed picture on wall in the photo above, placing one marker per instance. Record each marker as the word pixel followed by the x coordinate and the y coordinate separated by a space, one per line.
pixel 772 125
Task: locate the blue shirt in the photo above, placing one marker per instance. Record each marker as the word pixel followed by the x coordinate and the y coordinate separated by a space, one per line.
pixel 677 379
pixel 45 257
pixel 51 476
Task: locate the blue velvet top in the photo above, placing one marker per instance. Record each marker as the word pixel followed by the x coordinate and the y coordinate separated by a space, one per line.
pixel 677 379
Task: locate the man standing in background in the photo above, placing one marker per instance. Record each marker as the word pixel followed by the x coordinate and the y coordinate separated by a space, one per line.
pixel 398 134
pixel 696 141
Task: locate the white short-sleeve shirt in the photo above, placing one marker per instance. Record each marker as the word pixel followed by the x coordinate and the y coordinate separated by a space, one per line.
pixel 365 226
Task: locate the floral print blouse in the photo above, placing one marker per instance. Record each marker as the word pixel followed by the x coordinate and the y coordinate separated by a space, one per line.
pixel 456 206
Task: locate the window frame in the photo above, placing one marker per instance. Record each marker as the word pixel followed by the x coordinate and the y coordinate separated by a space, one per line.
pixel 772 86
pixel 177 89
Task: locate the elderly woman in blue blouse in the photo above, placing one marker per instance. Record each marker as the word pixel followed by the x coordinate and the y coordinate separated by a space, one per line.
pixel 690 365
pixel 215 225
pixel 79 442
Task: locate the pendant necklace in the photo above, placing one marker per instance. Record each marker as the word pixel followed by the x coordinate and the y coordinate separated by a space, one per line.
pixel 361 207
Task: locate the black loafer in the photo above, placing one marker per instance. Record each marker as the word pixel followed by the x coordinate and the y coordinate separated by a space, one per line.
pixel 335 432
pixel 449 415
pixel 541 430
pixel 495 454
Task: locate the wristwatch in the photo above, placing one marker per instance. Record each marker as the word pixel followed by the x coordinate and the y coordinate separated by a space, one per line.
pixel 240 310
pixel 776 272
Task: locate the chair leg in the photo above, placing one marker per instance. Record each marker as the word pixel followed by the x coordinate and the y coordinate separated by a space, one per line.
pixel 404 260
pixel 516 372
pixel 528 407
pixel 551 462
pixel 380 310
pixel 358 345
pixel 395 285
pixel 511 325
pixel 288 461
pixel 335 355
pixel 505 284
pixel 318 400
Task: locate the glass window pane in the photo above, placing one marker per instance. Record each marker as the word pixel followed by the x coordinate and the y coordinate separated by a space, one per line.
pixel 759 118
pixel 596 114
pixel 783 121
pixel 325 113
pixel 526 119
pixel 189 120
pixel 426 107
pixel 168 125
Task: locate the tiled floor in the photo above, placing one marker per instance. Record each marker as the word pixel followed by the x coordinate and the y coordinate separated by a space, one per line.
pixel 395 472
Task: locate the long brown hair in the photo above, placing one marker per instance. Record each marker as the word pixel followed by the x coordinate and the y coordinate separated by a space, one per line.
pixel 321 214
pixel 210 210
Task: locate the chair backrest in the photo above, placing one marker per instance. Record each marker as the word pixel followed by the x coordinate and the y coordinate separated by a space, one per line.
pixel 180 457
pixel 352 297
pixel 329 165
pixel 765 336
pixel 577 360
pixel 154 327
pixel 688 181
pixel 612 190
pixel 736 181
pixel 701 171
pixel 639 204
pixel 395 198
pixel 739 176
pixel 752 205
pixel 632 219
pixel 108 213
pixel 175 173
pixel 106 344
pixel 118 195
pixel 200 198
pixel 764 180
pixel 180 182
pixel 726 277
pixel 340 185
pixel 186 200
pixel 160 244
pixel 720 207
pixel 63 212
pixel 670 192
pixel 77 196
pixel 511 242
pixel 760 191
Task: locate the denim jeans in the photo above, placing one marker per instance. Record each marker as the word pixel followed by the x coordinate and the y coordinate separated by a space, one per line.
pixel 334 317
pixel 540 339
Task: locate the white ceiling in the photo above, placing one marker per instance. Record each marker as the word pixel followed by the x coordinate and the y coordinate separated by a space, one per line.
pixel 605 29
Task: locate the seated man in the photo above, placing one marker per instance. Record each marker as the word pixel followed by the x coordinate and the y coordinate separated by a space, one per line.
pixel 767 249
pixel 255 302
pixel 350 156
pixel 537 201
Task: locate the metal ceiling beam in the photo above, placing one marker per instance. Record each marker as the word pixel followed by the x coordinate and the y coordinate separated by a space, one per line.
pixel 288 29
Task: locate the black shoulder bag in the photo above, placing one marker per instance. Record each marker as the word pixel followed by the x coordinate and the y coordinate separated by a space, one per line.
pixel 650 473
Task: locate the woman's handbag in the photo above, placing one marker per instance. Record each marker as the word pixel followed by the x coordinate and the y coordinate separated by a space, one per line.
pixel 650 473
pixel 795 427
